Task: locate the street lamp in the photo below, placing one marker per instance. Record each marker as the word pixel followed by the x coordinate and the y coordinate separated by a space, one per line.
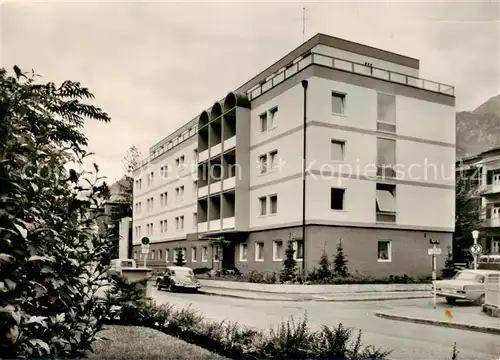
pixel 475 235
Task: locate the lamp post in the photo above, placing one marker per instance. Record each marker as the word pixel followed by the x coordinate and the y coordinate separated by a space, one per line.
pixel 475 235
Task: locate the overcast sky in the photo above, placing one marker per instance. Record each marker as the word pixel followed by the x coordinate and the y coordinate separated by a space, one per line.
pixel 155 65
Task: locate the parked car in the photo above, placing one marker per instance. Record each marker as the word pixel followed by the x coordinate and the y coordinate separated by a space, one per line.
pixel 116 265
pixel 176 278
pixel 465 285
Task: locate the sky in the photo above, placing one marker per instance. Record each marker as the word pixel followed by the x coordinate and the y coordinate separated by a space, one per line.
pixel 155 65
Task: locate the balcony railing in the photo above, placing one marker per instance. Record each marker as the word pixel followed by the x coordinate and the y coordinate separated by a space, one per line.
pixel 492 223
pixel 491 189
pixel 353 67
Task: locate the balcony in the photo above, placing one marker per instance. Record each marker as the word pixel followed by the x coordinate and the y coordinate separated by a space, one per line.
pixel 203 191
pixel 214 225
pixel 492 223
pixel 491 189
pixel 203 156
pixel 352 67
pixel 228 184
pixel 230 143
pixel 215 187
pixel 228 223
pixel 216 150
pixel 203 227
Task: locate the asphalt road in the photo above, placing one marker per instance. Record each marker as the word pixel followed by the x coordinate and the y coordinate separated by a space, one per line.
pixel 408 340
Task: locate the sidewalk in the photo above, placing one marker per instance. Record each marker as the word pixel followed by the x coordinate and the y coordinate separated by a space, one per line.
pixel 265 296
pixel 466 318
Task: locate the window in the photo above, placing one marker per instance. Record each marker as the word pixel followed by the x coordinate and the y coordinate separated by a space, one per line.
pixel 167 255
pixel 337 149
pixel 338 103
pixel 273 199
pixel 386 203
pixel 277 250
pixel 259 251
pixel 386 157
pixel 177 223
pixel 182 192
pixel 263 164
pixel 216 254
pixel 263 122
pixel 161 199
pixel 263 205
pixel 151 178
pixel 139 230
pixel 298 246
pixel 177 193
pixel 337 199
pixel 181 222
pixel 204 254
pixel 193 254
pixel 151 225
pixel 152 254
pixel 164 172
pixel 384 251
pixel 243 252
pixel 161 226
pixel 273 158
pixel 152 203
pixel 160 254
pixel 164 225
pixel 272 118
pixel 386 112
pixel 195 188
pixel 195 219
pixel 195 156
pixel 182 160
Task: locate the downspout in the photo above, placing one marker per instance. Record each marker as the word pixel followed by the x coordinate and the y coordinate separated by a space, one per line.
pixel 304 85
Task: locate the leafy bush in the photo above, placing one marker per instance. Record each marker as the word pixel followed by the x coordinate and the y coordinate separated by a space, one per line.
pixel 52 258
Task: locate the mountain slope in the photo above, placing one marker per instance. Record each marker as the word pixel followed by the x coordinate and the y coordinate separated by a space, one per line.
pixel 478 130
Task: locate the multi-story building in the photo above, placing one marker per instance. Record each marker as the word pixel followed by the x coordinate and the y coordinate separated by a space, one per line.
pixel 484 170
pixel 379 150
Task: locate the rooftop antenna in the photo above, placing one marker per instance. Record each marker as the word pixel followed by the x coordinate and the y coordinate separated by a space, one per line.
pixel 303 23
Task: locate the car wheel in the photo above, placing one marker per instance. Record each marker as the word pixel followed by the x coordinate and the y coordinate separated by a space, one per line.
pixel 479 301
pixel 158 286
pixel 451 300
pixel 170 288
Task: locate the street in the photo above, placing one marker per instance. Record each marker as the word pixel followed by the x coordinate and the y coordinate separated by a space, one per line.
pixel 408 340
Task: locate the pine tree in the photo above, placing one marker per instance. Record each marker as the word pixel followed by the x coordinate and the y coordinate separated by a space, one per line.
pixel 179 258
pixel 340 262
pixel 324 271
pixel 289 271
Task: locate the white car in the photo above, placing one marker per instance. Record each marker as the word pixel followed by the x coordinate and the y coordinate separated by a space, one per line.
pixel 116 265
pixel 465 285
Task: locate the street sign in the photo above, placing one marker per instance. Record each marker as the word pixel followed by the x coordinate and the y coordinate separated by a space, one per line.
pixel 145 249
pixel 476 249
pixel 434 242
pixel 434 251
pixel 145 240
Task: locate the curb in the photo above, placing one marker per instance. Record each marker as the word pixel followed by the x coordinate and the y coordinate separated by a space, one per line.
pixel 314 299
pixel 460 326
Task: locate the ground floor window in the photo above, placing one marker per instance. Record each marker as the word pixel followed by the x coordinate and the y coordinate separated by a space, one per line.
pixel 193 254
pixel 167 255
pixel 277 250
pixel 384 250
pixel 243 252
pixel 216 254
pixel 495 246
pixel 204 254
pixel 259 251
pixel 298 246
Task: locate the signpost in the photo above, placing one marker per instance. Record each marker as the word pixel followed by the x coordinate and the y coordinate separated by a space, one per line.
pixel 434 251
pixel 475 249
pixel 145 249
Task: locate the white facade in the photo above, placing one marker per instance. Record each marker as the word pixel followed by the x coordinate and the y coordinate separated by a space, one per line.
pixel 422 136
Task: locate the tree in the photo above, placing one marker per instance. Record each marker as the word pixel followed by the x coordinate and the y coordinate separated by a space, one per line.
pixel 289 271
pixel 324 271
pixel 179 258
pixel 340 262
pixel 468 215
pixel 50 249
pixel 131 162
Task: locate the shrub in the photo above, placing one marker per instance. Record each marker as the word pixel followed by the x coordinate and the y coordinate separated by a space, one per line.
pixel 289 272
pixel 179 258
pixel 340 262
pixel 52 258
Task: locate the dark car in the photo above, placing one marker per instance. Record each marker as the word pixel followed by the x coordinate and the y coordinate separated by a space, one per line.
pixel 176 278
